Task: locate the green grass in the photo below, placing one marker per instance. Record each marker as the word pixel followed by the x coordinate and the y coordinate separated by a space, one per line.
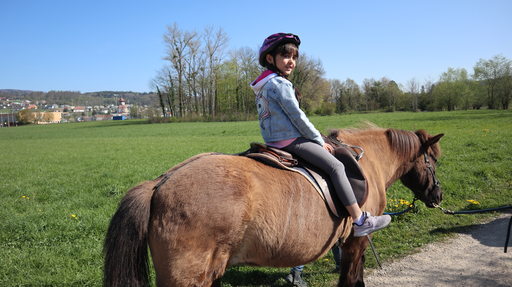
pixel 62 183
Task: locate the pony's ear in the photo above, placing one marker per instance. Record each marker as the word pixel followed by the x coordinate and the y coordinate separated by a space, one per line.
pixel 433 140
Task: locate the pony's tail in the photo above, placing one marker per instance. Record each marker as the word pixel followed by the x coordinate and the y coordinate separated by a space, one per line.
pixel 125 248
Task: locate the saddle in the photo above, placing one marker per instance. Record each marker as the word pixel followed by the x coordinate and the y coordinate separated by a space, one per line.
pixel 320 180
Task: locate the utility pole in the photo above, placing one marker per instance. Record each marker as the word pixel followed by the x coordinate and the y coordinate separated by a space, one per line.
pixel 115 96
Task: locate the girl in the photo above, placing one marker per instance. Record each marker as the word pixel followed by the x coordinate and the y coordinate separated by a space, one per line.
pixel 284 125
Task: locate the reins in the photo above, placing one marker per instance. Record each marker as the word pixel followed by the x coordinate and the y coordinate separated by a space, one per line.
pixel 430 169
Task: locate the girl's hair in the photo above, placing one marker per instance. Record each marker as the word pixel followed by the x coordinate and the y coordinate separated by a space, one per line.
pixel 286 49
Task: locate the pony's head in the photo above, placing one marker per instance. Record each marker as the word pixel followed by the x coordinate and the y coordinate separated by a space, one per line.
pixel 422 178
pixel 422 150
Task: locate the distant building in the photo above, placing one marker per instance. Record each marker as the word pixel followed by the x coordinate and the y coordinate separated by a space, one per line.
pixel 101 117
pixel 78 109
pixel 122 108
pixel 17 107
pixel 8 120
pixel 56 118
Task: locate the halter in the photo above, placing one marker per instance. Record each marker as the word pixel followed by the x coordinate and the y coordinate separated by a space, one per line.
pixel 430 169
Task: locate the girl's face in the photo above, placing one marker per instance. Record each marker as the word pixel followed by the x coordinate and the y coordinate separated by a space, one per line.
pixel 285 63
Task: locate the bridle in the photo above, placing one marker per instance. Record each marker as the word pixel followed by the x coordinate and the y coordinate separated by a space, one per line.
pixel 430 169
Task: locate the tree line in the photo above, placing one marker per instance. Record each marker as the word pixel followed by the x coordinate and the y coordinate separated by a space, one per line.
pixel 202 79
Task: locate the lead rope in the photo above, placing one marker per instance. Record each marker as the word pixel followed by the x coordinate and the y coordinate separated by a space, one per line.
pixel 373 249
pixel 446 211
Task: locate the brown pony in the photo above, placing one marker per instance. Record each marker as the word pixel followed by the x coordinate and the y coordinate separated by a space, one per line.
pixel 214 211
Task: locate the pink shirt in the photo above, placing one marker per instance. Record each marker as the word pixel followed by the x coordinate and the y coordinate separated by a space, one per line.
pixel 281 144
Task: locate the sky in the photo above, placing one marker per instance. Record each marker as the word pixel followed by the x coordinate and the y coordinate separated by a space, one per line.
pixel 91 46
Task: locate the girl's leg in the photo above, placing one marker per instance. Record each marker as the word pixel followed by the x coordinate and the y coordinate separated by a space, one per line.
pixel 354 211
pixel 319 157
pixel 336 252
pixel 295 277
pixel 315 154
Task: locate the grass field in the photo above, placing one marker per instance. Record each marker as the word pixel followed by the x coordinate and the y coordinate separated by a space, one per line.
pixel 60 185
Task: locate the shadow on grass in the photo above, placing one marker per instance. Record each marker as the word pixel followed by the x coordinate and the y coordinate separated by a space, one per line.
pixel 243 276
pixel 254 277
pixel 116 124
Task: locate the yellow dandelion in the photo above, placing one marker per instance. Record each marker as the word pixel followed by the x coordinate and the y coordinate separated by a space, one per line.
pixel 23 196
pixel 326 259
pixel 28 197
pixel 73 215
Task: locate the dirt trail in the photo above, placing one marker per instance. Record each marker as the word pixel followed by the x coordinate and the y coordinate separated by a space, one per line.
pixel 475 258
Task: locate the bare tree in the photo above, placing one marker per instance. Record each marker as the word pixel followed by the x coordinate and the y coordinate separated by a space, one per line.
pixel 195 61
pixel 215 44
pixel 367 90
pixel 178 44
pixel 413 88
pixel 336 94
pixel 250 69
pixel 308 77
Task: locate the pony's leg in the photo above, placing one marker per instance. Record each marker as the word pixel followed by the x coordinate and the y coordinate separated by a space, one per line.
pixel 352 261
pixel 196 264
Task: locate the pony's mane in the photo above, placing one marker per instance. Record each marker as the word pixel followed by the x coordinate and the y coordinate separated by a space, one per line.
pixel 362 127
pixel 405 143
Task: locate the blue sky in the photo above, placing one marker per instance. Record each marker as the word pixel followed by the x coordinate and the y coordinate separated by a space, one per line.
pixel 90 46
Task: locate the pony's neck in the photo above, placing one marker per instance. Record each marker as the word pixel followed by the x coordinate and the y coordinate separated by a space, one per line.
pixel 388 154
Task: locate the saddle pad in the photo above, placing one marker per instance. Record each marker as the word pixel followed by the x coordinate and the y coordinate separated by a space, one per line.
pixel 321 181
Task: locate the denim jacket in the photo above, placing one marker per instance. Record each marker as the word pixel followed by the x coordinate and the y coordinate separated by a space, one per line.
pixel 279 113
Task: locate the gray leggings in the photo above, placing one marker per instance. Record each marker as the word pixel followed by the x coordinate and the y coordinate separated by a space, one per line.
pixel 321 158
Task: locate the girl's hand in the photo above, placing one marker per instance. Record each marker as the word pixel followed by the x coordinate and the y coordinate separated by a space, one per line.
pixel 328 148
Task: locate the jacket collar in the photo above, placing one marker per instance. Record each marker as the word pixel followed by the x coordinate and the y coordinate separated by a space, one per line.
pixel 257 84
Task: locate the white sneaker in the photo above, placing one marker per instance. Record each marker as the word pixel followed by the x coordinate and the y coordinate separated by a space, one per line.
pixel 370 224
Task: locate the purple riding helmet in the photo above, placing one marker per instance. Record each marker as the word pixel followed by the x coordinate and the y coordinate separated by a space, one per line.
pixel 274 40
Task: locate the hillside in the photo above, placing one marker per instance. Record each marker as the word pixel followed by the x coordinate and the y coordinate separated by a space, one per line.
pixel 77 98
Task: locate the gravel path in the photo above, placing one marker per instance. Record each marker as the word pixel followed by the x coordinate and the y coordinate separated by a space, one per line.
pixel 475 258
